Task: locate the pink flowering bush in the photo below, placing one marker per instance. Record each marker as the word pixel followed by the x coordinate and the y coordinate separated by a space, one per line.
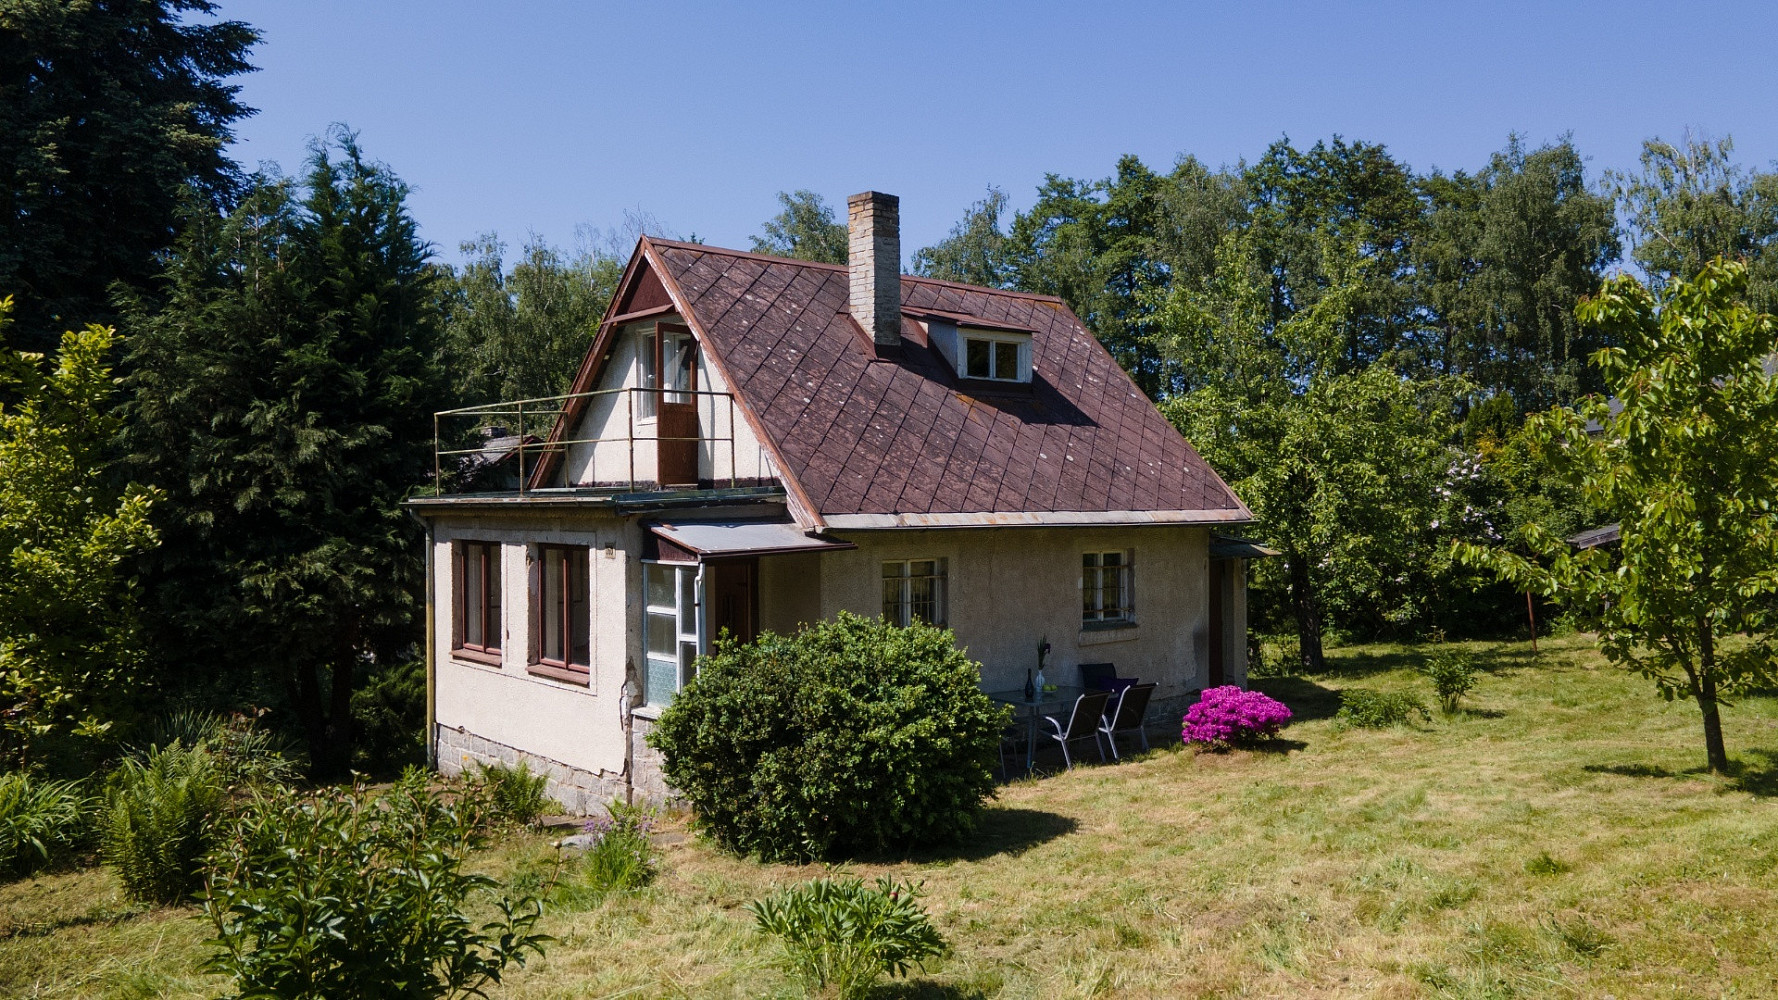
pixel 1231 716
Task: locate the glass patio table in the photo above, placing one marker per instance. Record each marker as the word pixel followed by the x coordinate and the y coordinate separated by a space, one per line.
pixel 1046 703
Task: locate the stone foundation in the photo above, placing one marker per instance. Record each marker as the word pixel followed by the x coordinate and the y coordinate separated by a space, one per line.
pixel 579 792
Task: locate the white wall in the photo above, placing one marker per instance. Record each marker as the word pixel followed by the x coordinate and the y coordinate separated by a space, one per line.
pixel 1009 587
pixel 609 420
pixel 581 726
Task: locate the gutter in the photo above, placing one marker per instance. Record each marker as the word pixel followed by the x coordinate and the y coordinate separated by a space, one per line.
pixel 431 652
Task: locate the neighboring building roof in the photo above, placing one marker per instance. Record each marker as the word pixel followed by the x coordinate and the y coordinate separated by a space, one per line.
pixel 868 440
pixel 1230 547
pixel 1594 538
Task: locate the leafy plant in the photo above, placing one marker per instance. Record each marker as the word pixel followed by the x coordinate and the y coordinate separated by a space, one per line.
pixel 512 794
pixel 244 752
pixel 851 735
pixel 1452 676
pixel 844 933
pixel 161 812
pixel 40 822
pixel 389 719
pixel 351 896
pixel 620 858
pixel 1363 708
pixel 1229 716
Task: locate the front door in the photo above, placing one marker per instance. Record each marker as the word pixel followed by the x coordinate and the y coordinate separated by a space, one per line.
pixel 733 589
pixel 1218 627
pixel 676 428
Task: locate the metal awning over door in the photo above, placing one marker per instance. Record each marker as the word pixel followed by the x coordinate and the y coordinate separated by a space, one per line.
pixel 702 541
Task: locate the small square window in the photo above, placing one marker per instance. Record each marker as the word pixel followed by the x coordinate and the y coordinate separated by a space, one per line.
pixel 1106 587
pixel 914 590
pixel 997 357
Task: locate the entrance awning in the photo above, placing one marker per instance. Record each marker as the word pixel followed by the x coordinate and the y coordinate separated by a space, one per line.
pixel 735 539
pixel 1230 547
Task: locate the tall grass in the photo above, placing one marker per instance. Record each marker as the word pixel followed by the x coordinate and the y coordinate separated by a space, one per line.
pixel 41 822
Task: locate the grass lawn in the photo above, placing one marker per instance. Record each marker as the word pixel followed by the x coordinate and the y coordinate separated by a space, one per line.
pixel 1559 840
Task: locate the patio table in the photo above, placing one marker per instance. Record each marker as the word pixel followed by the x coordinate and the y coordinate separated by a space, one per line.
pixel 1046 702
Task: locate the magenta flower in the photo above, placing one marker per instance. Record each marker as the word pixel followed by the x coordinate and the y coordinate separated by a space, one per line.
pixel 1231 716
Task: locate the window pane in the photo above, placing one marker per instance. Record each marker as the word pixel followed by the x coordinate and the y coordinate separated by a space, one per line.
pixel 551 599
pixel 650 378
pixel 921 598
pixel 473 591
pixel 579 613
pixel 660 680
pixel 976 358
pixel 688 662
pixel 1006 360
pixel 688 599
pixel 1111 585
pixel 1113 559
pixel 892 611
pixel 660 584
pixel 491 626
pixel 663 635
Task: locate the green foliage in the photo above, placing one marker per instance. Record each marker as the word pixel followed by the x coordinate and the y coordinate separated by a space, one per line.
pixel 1689 469
pixel 70 653
pixel 161 817
pixel 1543 864
pixel 112 111
pixel 806 229
pixel 389 718
pixel 346 895
pixel 513 795
pixel 851 735
pixel 843 933
pixel 283 399
pixel 1363 708
pixel 975 252
pixel 622 858
pixel 521 333
pixel 41 822
pixel 1451 673
pixel 244 753
pixel 1691 204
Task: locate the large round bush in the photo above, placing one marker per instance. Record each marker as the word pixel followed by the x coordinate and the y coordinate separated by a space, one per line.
pixel 850 736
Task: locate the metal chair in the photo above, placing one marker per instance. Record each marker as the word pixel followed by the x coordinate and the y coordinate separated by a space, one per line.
pixel 1097 676
pixel 1010 736
pixel 1132 707
pixel 1083 723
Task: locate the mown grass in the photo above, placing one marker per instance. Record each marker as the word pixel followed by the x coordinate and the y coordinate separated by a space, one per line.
pixel 1558 840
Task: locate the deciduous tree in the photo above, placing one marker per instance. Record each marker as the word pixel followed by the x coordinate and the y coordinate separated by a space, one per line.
pixel 806 229
pixel 1689 469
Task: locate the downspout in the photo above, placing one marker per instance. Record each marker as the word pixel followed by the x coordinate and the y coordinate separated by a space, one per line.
pixel 431 655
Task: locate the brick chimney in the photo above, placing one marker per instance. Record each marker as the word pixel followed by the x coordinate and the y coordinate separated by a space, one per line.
pixel 873 227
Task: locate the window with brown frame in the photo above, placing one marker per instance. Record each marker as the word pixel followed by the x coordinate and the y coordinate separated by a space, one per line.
pixel 562 616
pixel 475 622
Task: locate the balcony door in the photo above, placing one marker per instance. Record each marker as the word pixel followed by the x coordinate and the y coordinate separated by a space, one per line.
pixel 677 422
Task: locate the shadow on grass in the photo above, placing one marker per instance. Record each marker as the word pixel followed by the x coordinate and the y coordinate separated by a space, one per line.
pixel 1306 699
pixel 923 990
pixel 1757 777
pixel 1488 659
pixel 1002 831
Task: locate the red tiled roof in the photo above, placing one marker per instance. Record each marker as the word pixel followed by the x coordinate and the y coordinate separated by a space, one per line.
pixel 866 435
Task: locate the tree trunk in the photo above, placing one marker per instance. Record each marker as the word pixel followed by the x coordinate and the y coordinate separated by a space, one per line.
pixel 1307 606
pixel 1705 691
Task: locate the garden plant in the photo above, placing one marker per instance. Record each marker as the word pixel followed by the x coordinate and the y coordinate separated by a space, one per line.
pixel 841 932
pixel 1231 716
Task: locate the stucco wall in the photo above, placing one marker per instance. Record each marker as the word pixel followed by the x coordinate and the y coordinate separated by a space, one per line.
pixel 1008 587
pixel 579 726
pixel 615 420
pixel 789 591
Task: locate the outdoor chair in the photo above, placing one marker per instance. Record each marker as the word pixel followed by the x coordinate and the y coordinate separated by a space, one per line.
pixel 1083 724
pixel 1010 736
pixel 1097 676
pixel 1127 716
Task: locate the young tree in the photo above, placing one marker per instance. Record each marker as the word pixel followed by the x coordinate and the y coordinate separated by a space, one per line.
pixel 521 334
pixel 108 111
pixel 70 654
pixel 1689 469
pixel 283 398
pixel 805 229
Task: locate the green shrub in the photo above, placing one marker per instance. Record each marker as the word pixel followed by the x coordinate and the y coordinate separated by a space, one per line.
pixel 851 735
pixel 843 933
pixel 41 822
pixel 389 719
pixel 512 795
pixel 1452 676
pixel 621 858
pixel 351 896
pixel 244 753
pixel 1367 709
pixel 161 814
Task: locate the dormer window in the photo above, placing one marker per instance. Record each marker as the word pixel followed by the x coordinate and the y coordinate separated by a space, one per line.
pixel 987 355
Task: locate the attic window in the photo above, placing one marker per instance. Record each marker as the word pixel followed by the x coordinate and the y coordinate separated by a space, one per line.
pixel 994 356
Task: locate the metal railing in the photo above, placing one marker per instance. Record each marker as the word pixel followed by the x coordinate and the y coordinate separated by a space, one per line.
pixel 521 430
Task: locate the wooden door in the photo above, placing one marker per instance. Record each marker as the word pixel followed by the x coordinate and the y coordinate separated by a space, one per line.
pixel 734 598
pixel 1218 622
pixel 676 427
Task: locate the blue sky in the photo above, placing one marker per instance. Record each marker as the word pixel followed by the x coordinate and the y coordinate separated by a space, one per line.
pixel 525 117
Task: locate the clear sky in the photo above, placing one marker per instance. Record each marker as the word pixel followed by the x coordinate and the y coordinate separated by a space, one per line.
pixel 525 117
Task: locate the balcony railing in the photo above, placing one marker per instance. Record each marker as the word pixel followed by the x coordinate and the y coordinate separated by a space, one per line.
pixel 647 439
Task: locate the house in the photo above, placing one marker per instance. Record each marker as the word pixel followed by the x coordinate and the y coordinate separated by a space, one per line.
pixel 754 442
